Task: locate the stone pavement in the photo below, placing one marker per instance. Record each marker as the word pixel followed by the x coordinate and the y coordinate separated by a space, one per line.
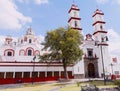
pixel 110 89
pixel 10 86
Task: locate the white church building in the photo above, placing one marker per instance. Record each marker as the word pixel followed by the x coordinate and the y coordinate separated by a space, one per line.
pixel 18 62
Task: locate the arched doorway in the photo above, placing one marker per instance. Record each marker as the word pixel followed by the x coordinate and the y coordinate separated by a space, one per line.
pixel 91 70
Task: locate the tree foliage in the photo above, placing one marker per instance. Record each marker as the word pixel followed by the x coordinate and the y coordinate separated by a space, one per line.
pixel 63 45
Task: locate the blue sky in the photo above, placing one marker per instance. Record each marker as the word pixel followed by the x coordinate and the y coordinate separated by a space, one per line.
pixel 54 13
pixel 45 15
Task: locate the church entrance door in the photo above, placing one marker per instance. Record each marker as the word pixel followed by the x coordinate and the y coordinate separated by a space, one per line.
pixel 91 70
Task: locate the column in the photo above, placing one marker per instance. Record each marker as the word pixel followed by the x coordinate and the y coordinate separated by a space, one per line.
pixel 4 75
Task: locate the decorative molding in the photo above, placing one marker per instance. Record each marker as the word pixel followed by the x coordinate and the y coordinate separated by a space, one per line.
pixel 99 32
pixel 98 22
pixel 74 18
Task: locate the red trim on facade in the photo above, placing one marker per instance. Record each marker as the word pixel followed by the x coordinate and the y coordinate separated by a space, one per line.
pixel 98 22
pixel 104 44
pixel 99 32
pixel 74 18
pixel 21 51
pixel 9 50
pixel 34 65
pixel 30 64
pixel 10 39
pixel 73 9
pixel 37 51
pixel 98 14
pixel 29 48
pixel 78 28
pixel 25 39
pixel 30 80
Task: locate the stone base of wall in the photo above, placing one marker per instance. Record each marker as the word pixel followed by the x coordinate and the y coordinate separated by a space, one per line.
pixel 79 76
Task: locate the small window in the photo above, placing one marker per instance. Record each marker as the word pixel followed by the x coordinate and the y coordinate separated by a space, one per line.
pixel 21 41
pixel 75 14
pixel 29 52
pixel 9 54
pixel 101 27
pixel 76 24
pixel 30 41
pixel 90 52
pixel 116 72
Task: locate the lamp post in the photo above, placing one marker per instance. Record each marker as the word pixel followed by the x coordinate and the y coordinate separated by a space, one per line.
pixel 33 69
pixel 103 65
pixel 111 68
pixel 100 44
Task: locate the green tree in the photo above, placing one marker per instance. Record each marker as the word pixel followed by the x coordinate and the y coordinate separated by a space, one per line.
pixel 63 46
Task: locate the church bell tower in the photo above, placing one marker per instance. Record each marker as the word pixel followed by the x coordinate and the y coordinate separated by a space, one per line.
pixel 99 25
pixel 74 19
pixel 100 37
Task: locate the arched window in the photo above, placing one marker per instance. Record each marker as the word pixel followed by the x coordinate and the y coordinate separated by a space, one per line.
pixel 30 41
pixel 29 52
pixel 9 53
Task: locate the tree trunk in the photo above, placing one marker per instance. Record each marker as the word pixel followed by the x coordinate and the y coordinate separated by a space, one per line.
pixel 65 69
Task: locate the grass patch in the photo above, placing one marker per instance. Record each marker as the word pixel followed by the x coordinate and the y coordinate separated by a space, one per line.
pixel 63 86
pixel 71 87
pixel 34 87
pixel 98 83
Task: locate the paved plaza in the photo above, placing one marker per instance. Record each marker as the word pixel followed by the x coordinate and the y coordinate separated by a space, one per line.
pixel 51 86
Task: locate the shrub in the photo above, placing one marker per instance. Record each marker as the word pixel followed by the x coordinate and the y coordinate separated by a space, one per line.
pixel 117 82
pixel 78 84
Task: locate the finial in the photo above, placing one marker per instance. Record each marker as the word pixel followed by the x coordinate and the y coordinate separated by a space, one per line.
pixel 73 1
pixel 97 7
pixel 30 26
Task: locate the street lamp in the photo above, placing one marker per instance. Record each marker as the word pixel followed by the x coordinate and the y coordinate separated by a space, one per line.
pixel 99 43
pixel 111 68
pixel 33 69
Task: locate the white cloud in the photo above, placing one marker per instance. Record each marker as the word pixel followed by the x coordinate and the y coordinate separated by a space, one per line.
pixel 111 1
pixel 116 2
pixel 24 1
pixel 41 1
pixel 35 1
pixel 102 1
pixel 10 17
pixel 41 38
pixel 114 43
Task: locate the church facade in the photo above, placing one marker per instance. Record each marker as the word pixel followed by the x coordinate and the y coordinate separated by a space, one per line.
pixel 95 47
pixel 19 61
